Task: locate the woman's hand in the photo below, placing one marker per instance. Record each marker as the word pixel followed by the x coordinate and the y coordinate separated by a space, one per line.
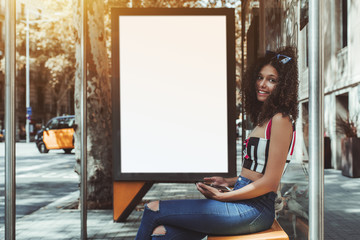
pixel 220 181
pixel 209 192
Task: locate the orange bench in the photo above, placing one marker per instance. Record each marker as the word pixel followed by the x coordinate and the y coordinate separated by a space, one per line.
pixel 128 194
pixel 275 232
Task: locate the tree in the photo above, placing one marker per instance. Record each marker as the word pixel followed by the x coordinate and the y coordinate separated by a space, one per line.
pixel 99 154
pixel 52 55
pixel 54 42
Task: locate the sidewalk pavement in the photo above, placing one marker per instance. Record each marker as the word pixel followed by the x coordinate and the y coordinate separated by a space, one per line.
pixel 342 211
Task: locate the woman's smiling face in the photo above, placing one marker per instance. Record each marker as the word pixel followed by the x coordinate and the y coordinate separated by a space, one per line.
pixel 266 82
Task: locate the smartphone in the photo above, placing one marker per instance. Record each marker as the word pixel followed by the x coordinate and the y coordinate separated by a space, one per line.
pixel 222 188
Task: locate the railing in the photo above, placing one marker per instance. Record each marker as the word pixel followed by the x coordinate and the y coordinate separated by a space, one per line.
pixel 342 65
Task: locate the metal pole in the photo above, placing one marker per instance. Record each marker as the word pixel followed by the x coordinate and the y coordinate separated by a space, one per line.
pixel 10 184
pixel 27 76
pixel 243 10
pixel 316 165
pixel 83 110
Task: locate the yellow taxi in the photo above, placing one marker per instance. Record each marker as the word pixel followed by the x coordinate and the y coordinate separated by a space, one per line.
pixel 57 134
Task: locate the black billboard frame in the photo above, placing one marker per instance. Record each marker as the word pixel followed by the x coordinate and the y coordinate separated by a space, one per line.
pixel 231 108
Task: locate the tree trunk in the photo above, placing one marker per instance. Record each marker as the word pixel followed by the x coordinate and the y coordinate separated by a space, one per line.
pixel 99 154
pixel 58 106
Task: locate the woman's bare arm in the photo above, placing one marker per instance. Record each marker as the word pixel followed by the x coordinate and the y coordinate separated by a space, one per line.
pixel 280 139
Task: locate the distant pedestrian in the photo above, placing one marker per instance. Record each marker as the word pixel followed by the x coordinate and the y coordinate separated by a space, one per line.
pixel 270 99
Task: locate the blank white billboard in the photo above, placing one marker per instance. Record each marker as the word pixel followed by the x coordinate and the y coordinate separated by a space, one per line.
pixel 172 96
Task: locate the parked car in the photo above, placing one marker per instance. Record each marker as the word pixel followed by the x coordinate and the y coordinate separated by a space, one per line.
pixel 58 133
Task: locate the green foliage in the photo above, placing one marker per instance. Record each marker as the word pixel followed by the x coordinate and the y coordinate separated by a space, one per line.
pixel 54 43
pixel 51 43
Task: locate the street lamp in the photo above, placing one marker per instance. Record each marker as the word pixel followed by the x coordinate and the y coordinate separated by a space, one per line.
pixel 28 108
pixel 27 85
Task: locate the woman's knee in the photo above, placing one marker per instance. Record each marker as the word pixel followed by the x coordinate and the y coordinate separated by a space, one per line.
pixel 159 230
pixel 154 206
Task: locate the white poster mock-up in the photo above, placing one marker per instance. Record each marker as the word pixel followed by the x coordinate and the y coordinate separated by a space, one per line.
pixel 173 94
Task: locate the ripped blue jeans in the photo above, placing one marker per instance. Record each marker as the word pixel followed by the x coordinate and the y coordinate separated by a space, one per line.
pixel 193 219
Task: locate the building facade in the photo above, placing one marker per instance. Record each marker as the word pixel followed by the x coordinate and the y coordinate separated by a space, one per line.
pixel 341 74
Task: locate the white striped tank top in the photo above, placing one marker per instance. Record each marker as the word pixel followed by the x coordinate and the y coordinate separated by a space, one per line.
pixel 256 151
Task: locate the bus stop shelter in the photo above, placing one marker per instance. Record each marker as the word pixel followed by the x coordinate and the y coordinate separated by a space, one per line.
pixel 316 185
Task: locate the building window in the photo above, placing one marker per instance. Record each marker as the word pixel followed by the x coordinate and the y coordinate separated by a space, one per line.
pixel 344 15
pixel 307 47
pixel 304 13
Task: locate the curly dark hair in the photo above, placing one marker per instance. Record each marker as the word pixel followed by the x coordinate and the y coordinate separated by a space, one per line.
pixel 283 99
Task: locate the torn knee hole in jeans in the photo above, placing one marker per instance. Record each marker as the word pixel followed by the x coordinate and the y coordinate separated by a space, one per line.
pixel 159 231
pixel 152 210
pixel 153 206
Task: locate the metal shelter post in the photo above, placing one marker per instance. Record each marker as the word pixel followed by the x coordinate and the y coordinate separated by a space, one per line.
pixel 27 74
pixel 316 139
pixel 10 184
pixel 83 110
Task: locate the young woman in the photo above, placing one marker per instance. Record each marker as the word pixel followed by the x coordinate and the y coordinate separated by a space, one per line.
pixel 270 98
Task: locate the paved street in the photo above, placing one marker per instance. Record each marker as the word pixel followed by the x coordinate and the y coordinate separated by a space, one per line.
pixel 40 178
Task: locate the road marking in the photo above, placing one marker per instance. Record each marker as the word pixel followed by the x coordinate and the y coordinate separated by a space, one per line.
pixel 31 168
pixel 51 175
